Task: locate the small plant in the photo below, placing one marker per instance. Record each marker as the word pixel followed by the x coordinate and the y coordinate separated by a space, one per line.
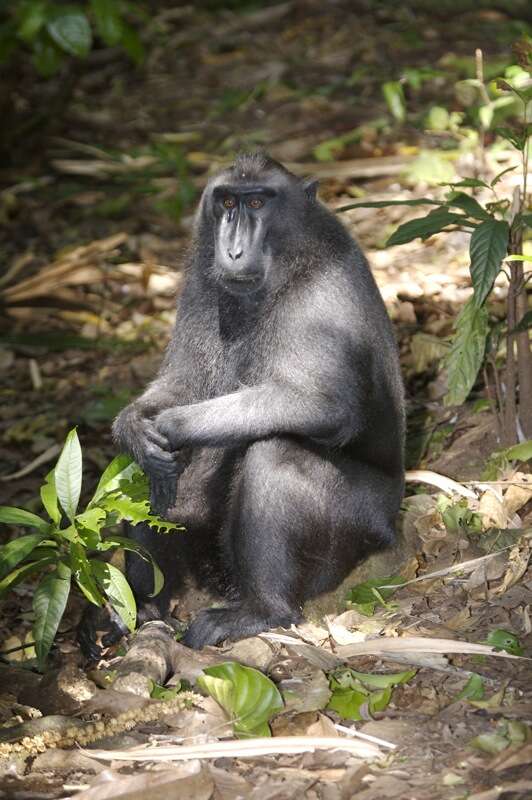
pixel 52 33
pixel 63 547
pixel 496 245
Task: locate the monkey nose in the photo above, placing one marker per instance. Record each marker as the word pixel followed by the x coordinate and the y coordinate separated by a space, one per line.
pixel 234 255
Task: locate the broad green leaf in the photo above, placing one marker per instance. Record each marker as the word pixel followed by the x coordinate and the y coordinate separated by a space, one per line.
pixel 68 475
pixel 71 534
pixel 347 703
pixel 379 700
pixel 467 352
pixel 18 516
pixel 116 588
pixel 49 498
pixel 20 573
pixel 491 743
pixel 376 681
pixel 134 511
pixel 134 547
pixel 158 692
pixel 71 31
pixel 419 201
pixel 473 690
pixel 93 519
pixel 468 204
pixel 121 468
pixel 49 603
pixel 366 596
pixel 46 57
pixel 16 551
pixel 505 640
pixel 488 246
pixel 31 21
pixel 395 99
pixel 424 227
pixel 82 572
pixel 108 21
pixel 520 452
pixel 247 696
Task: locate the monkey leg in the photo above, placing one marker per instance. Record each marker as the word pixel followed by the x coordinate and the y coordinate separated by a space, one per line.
pixel 300 519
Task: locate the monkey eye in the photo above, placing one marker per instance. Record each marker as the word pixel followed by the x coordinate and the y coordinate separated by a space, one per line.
pixel 255 202
pixel 229 202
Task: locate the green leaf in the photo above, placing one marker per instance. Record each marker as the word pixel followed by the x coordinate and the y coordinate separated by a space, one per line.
pixel 93 519
pixel 19 574
pixel 134 547
pixel 499 176
pixel 380 681
pixel 395 99
pixel 49 603
pixel 47 58
pixel 491 743
pixel 347 703
pixel 420 201
pixel 488 246
pixel 108 21
pixel 68 475
pixel 469 183
pixel 380 700
pixel 505 640
pixel 518 257
pixel 116 588
pixel 134 511
pixel 247 696
pixel 71 31
pixel 130 41
pixel 49 498
pixel 424 227
pixel 158 692
pixel 468 204
pixel 520 452
pixel 366 596
pixel 467 352
pixel 82 572
pixel 18 516
pixel 473 690
pixel 121 468
pixel 16 551
pixel 31 21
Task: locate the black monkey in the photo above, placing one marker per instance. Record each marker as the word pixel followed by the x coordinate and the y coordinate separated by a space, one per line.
pixel 274 429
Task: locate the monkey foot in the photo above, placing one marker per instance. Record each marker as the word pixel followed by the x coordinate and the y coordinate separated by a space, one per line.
pixel 214 625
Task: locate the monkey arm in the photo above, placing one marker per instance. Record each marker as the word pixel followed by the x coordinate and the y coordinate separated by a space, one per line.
pixel 254 413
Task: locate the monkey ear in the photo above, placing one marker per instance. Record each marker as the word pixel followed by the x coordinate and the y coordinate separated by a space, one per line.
pixel 310 187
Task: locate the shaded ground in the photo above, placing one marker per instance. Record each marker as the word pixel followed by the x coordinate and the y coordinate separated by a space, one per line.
pixel 116 176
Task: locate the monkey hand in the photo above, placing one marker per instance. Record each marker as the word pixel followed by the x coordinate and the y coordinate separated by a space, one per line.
pixel 170 425
pixel 138 435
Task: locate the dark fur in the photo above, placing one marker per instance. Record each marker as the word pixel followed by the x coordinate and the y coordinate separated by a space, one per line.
pixel 285 408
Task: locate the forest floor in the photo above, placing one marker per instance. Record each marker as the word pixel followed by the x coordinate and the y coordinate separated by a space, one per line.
pixel 96 212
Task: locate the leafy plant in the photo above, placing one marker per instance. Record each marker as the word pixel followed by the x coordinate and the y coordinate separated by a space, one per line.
pixel 52 32
pixel 365 597
pixel 248 697
pixel 496 245
pixel 505 640
pixel 458 517
pixel 62 547
pixel 357 695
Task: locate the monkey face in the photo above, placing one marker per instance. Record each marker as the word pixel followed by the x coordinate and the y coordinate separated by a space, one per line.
pixel 255 212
